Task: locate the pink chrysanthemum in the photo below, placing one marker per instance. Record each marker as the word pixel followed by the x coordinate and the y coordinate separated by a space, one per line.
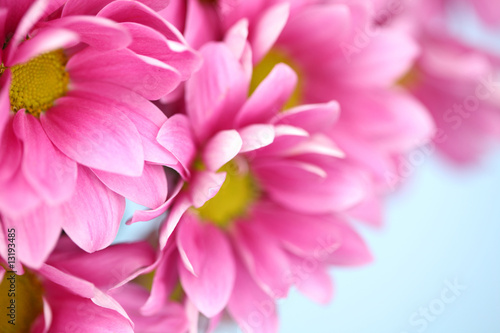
pixel 72 292
pixel 345 62
pixel 77 132
pixel 264 192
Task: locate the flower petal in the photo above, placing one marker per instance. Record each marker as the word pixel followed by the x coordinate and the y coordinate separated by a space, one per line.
pixel 96 135
pixel 92 216
pixel 211 288
pixel 150 189
pixel 50 172
pixel 221 148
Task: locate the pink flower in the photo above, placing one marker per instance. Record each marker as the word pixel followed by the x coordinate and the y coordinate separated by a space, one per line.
pixel 77 132
pixel 264 192
pixel 71 291
pixel 358 70
pixel 458 84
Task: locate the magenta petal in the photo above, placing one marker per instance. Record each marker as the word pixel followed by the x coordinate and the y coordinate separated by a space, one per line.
pixel 264 257
pixel 78 7
pixel 73 313
pixel 36 234
pixel 11 150
pixel 181 205
pixel 96 135
pixel 17 196
pixel 256 136
pixel 50 172
pixel 253 310
pixel 95 267
pixel 211 288
pixel 146 76
pixel 98 32
pixel 269 97
pixel 92 216
pixel 176 136
pixel 216 92
pixel 151 43
pixel 150 189
pixel 4 104
pixel 146 117
pixel 221 148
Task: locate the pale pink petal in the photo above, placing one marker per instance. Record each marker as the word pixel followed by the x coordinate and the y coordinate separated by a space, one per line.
pixel 36 234
pixel 201 24
pixel 268 29
pixel 211 288
pixel 144 75
pixel 269 97
pixel 150 189
pixel 353 250
pixel 96 135
pixel 177 137
pixel 50 172
pixel 182 204
pixel 253 309
pixel 313 118
pixel 311 278
pixel 256 136
pixel 78 7
pixel 204 186
pixel 236 38
pixel 220 149
pixel 92 216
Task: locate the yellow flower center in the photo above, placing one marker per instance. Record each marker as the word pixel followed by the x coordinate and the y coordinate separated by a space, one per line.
pixel 409 79
pixel 234 198
pixel 37 83
pixel 21 301
pixel 265 66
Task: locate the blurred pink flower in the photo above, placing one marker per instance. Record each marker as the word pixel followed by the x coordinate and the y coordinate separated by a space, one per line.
pixel 264 192
pixel 77 132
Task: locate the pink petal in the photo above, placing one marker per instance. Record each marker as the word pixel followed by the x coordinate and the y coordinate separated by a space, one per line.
pixel 269 97
pixel 182 204
pixel 35 12
pixel 147 118
pixel 36 234
pixel 216 92
pixel 171 318
pixel 221 148
pixel 256 136
pixel 268 29
pixel 264 258
pixel 96 135
pixel 49 171
pixel 253 310
pixel 353 250
pixel 177 137
pixel 73 313
pixel 204 186
pixel 133 11
pixel 302 234
pixel 78 7
pixel 4 103
pixel 92 216
pixel 49 39
pixel 313 118
pixel 104 268
pixel 313 281
pixel 151 43
pixel 211 288
pixel 236 38
pixel 98 32
pixel 11 150
pixel 149 190
pixel 146 76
